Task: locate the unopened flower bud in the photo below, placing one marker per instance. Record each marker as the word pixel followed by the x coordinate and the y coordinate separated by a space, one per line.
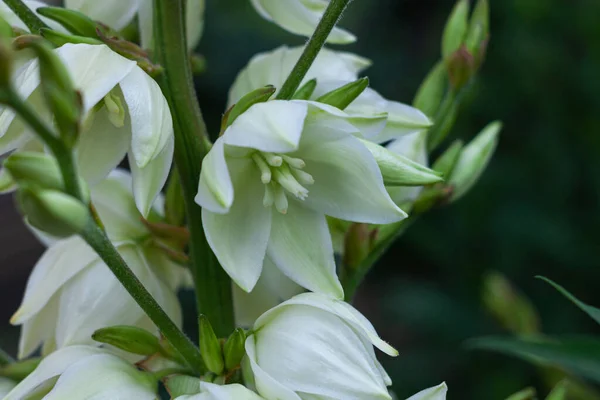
pixel 74 21
pixel 474 159
pixel 398 170
pixel 343 96
pixel 233 349
pixel 210 347
pixel 461 67
pixel 254 97
pixel 129 338
pixel 53 212
pixel 306 91
pixel 479 31
pixel 59 38
pixel 430 93
pixel 456 28
pixel 447 161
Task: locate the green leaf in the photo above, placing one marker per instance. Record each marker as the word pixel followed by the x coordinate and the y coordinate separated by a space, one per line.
pixel 591 311
pixel 579 355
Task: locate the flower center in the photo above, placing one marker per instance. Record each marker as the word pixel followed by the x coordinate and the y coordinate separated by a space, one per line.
pixel 281 175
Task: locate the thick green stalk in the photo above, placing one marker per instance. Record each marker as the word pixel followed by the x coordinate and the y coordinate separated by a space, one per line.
pixel 213 286
pixel 313 47
pixel 33 22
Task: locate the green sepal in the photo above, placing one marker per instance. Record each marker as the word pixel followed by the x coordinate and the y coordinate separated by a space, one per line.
pixel 254 97
pixel 447 161
pixel 456 28
pixel 210 347
pixel 343 96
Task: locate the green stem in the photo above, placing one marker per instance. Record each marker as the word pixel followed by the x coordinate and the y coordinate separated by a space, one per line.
pixel 213 286
pixel 313 47
pixel 98 240
pixel 33 22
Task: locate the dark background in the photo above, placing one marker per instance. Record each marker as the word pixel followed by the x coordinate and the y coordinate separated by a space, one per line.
pixel 535 210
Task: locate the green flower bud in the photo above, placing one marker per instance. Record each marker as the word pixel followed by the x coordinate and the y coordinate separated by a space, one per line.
pixel 430 93
pixel 479 31
pixel 456 28
pixel 52 211
pixel 7 183
pixel 398 170
pixel 256 96
pixel 306 91
pixel 19 370
pixel 210 347
pixel 234 350
pixel 59 38
pixel 129 338
pixel 447 161
pixel 461 67
pixel 74 21
pixel 342 97
pixel 474 159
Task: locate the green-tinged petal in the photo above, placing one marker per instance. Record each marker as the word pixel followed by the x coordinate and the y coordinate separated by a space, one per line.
pixel 151 121
pixel 102 147
pixel 435 393
pixel 149 181
pixel 413 147
pixel 104 377
pixel 265 384
pixel 239 238
pixel 6 385
pixel 51 367
pixel 348 184
pixel 57 265
pixel 114 13
pixel 273 67
pixel 294 233
pixel 38 330
pixel 95 69
pixel 275 126
pixel 300 17
pixel 215 190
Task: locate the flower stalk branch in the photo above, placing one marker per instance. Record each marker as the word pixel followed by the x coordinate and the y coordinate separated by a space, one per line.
pixel 33 22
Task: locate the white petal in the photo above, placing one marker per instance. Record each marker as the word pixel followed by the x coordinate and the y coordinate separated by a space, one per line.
pixel 275 126
pixel 39 329
pixel 414 147
pixel 56 266
pixel 300 337
pixel 50 367
pixel 239 238
pixel 272 289
pixel 114 13
pixel 210 391
pixel 194 22
pixel 101 147
pixel 348 184
pixel 104 377
pixel 95 69
pixel 434 393
pixel 266 385
pixel 273 67
pixel 149 181
pixel 151 121
pixel 215 190
pixel 300 246
pixel 298 17
pixel 343 310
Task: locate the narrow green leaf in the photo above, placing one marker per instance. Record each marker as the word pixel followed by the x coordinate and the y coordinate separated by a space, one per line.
pixel 591 311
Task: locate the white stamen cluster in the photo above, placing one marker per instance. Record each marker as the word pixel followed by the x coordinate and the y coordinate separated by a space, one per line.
pixel 280 174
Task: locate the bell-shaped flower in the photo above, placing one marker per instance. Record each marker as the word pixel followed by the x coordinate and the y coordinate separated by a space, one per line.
pixel 126 113
pixel 269 181
pixel 211 391
pixel 434 393
pixel 313 330
pixel 84 372
pixel 71 292
pixel 332 70
pixel 300 17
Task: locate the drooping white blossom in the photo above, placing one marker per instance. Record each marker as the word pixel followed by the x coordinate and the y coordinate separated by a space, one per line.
pixel 270 180
pixel 125 111
pixel 316 348
pixel 300 17
pixel 84 372
pixel 71 292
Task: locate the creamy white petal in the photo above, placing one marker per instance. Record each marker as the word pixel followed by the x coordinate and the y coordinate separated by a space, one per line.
pixel 266 385
pixel 57 265
pixel 239 238
pixel 300 246
pixel 274 126
pixel 38 330
pixel 95 69
pixel 210 391
pixel 151 121
pixel 114 13
pixel 149 181
pixel 104 377
pixel 435 393
pixel 50 367
pixel 215 190
pixel 300 17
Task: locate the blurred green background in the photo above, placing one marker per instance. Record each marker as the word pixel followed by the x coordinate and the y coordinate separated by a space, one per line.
pixel 535 211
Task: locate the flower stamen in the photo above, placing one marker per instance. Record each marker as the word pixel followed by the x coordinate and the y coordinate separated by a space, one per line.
pixel 265 171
